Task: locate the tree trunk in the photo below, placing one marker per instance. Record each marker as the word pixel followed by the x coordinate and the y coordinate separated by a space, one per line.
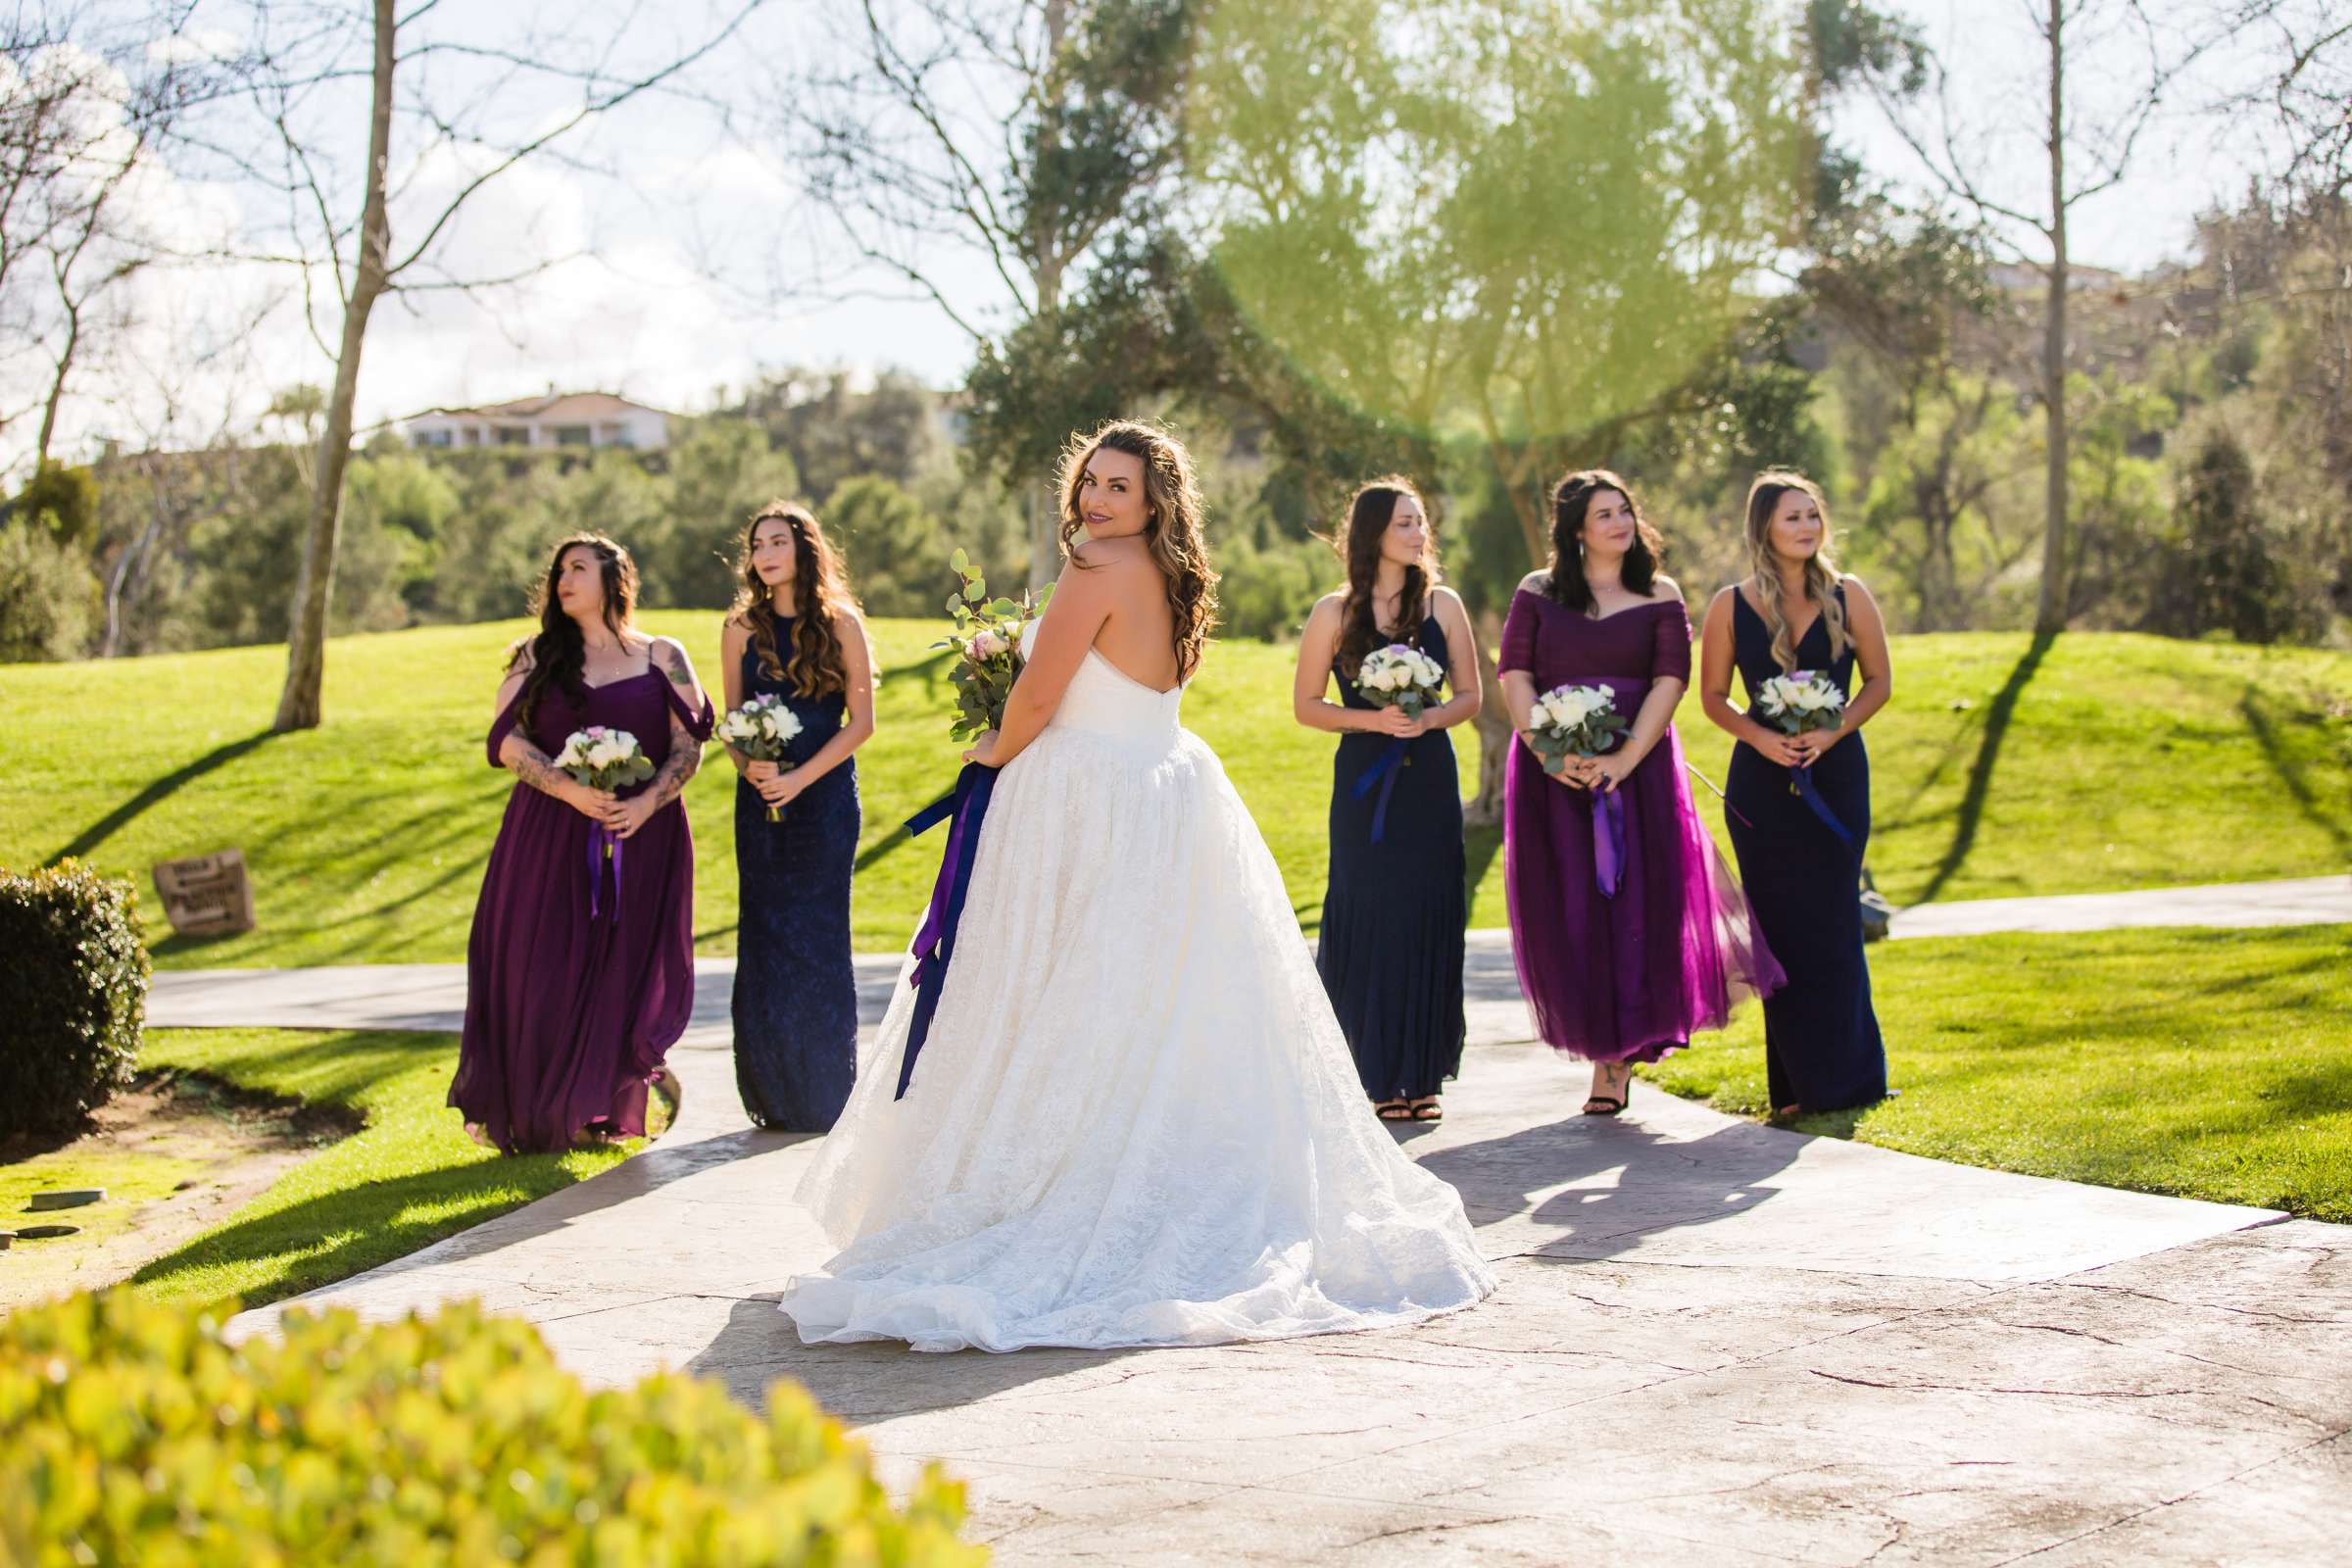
pixel 298 706
pixel 1493 728
pixel 57 385
pixel 2050 614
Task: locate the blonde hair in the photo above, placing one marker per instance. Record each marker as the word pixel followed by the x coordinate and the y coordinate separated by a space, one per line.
pixel 1172 524
pixel 1821 571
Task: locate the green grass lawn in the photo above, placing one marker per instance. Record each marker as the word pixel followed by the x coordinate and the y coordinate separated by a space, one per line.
pixel 2206 1064
pixel 408 1178
pixel 2101 761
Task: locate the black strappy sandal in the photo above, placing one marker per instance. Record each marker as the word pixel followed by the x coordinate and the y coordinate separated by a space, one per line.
pixel 1393 1110
pixel 1428 1110
pixel 1614 1105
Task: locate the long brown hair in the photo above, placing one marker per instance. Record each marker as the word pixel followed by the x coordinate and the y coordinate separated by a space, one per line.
pixel 559 653
pixel 820 587
pixel 1571 499
pixel 1172 524
pixel 1358 543
pixel 1821 571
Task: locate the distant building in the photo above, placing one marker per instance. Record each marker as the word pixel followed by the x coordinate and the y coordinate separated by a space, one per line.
pixel 558 419
pixel 2017 277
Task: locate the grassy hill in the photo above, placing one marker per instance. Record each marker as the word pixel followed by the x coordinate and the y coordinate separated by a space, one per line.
pixel 2003 766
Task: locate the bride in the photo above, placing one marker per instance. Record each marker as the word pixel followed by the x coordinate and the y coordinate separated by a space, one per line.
pixel 1134 1121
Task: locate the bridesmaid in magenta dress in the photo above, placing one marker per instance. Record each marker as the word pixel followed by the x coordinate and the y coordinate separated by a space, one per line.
pixel 1626 977
pixel 579 975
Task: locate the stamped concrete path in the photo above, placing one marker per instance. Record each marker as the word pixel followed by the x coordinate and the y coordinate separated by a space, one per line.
pixel 1714 1342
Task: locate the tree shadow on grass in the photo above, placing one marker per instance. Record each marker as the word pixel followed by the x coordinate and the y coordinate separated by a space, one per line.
pixel 2290 769
pixel 339 1234
pixel 1971 814
pixel 157 792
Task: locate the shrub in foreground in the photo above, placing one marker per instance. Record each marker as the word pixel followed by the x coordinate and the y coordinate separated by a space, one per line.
pixel 132 1431
pixel 73 994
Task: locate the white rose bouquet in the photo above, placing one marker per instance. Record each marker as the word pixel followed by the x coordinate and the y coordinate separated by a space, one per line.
pixel 1402 677
pixel 986 642
pixel 1575 721
pixel 1802 700
pixel 604 760
pixel 760 729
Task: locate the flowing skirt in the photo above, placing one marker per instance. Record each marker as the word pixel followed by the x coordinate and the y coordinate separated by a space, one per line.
pixel 1135 1121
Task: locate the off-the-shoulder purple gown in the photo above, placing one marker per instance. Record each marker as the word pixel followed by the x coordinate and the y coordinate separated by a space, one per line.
pixel 1626 978
pixel 579 975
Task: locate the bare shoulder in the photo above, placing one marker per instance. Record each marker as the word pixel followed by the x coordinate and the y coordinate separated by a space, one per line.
pixel 1446 598
pixel 668 650
pixel 1533 581
pixel 1663 588
pixel 519 657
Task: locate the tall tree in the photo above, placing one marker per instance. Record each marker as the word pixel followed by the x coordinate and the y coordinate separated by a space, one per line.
pixel 2087 138
pixel 1010 140
pixel 449 81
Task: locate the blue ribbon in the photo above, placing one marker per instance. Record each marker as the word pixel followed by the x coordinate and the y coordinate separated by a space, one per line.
pixel 1800 783
pixel 1381 772
pixel 935 942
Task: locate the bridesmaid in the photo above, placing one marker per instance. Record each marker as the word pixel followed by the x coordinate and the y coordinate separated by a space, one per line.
pixel 579 974
pixel 1625 978
pixel 1822 1049
pixel 795 632
pixel 1393 912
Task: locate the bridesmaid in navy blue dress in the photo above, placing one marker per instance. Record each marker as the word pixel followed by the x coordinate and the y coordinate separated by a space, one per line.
pixel 1394 910
pixel 794 633
pixel 1795 611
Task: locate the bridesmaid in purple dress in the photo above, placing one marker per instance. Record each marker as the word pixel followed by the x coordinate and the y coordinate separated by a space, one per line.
pixel 579 975
pixel 1629 977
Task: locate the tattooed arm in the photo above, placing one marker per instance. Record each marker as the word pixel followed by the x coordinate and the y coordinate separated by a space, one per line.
pixel 685 751
pixel 535 767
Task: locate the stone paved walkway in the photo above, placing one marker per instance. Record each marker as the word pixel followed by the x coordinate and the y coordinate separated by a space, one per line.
pixel 1715 1342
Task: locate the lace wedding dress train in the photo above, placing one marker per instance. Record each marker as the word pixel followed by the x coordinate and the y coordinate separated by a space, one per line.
pixel 1135 1120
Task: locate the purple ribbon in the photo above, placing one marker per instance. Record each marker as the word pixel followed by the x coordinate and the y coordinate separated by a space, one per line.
pixel 1608 841
pixel 935 942
pixel 1383 772
pixel 600 840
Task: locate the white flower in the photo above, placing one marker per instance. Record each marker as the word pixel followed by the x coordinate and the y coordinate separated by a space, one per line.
pixel 987 645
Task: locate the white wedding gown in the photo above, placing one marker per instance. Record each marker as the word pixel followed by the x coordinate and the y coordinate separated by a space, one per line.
pixel 1135 1120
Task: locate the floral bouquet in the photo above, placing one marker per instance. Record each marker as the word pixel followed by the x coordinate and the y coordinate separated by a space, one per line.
pixel 1802 700
pixel 1402 677
pixel 760 729
pixel 1575 721
pixel 1583 721
pixel 987 641
pixel 1407 679
pixel 603 760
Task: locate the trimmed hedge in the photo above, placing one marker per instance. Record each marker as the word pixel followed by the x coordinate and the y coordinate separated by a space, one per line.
pixel 133 1432
pixel 73 994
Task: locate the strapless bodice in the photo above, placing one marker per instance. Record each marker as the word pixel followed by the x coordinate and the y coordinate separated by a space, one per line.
pixel 1103 700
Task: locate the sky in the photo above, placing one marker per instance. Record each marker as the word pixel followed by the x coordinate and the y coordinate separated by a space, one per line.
pixel 676 257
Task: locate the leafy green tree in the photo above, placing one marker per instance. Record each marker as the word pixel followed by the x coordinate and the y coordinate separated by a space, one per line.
pixel 897 552
pixel 721 470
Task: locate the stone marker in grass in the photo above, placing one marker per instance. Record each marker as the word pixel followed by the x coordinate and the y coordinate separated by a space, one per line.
pixel 67 1198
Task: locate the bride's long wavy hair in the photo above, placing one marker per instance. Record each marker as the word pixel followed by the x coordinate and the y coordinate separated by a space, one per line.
pixel 1172 524
pixel 1764 566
